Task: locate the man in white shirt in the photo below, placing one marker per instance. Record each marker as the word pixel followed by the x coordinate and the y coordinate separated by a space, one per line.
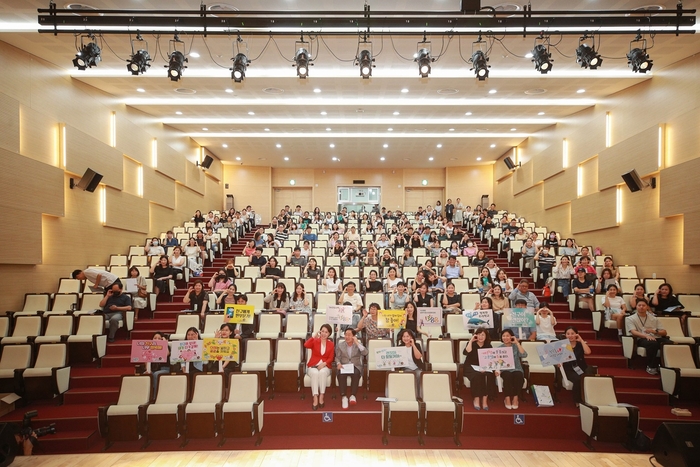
pixel 649 333
pixel 99 277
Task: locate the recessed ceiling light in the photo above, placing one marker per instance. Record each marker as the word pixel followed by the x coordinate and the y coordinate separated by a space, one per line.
pixel 493 145
pixel 332 145
pixel 238 158
pixel 451 129
pixel 389 129
pixel 262 158
pixel 224 145
pixel 178 113
pixel 580 91
pixel 513 129
pixel 382 158
pixel 478 158
pixel 317 90
pixel 140 90
pixel 430 158
pixel 286 158
pixel 205 129
pixel 404 90
pixel 468 113
pixel 273 91
pixel 228 90
pixel 324 113
pixel 278 145
pixel 492 91
pixel 396 113
pixel 334 158
pixel 386 145
pixel 407 158
pixel 194 54
pixel 453 158
pixel 267 129
pixel 540 113
pixel 328 129
pixel 439 146
pixel 309 158
pixel 251 113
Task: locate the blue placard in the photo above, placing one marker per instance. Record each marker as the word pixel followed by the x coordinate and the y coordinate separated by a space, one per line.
pixel 327 417
pixel 519 419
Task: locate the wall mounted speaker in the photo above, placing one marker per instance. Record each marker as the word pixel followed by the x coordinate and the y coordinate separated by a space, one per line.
pixel 509 163
pixel 206 163
pixel 634 183
pixel 677 444
pixel 90 181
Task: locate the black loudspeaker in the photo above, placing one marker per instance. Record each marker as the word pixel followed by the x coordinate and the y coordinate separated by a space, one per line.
pixel 634 183
pixel 89 181
pixel 509 163
pixel 677 444
pixel 8 444
pixel 206 163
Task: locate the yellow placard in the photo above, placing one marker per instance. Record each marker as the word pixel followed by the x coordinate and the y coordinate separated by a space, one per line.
pixel 220 349
pixel 391 319
pixel 243 314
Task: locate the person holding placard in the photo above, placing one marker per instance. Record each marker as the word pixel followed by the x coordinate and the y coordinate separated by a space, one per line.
pixel 348 358
pixel 512 379
pixel 408 339
pixel 545 322
pixel 242 330
pixel 226 331
pixel 576 368
pixel 523 332
pixel 319 364
pixel 155 369
pixel 193 367
pixel 368 323
pixel 482 383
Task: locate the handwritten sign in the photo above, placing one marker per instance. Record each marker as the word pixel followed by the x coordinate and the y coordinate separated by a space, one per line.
pixel 391 319
pixel 243 314
pixel 220 349
pixel 477 319
pixel 339 314
pixel 186 351
pixel 149 351
pixel 500 358
pixel 555 353
pixel 518 318
pixel 392 357
pixel 429 316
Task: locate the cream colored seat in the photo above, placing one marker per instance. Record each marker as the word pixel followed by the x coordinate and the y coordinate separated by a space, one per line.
pixel 90 341
pixel 288 366
pixel 242 413
pixel 124 420
pixel 443 412
pixel 212 323
pixel 680 376
pixel 49 376
pixel 375 379
pixel 58 328
pixel 454 327
pixel 536 373
pixel 163 420
pixel 440 356
pixel 258 358
pixel 14 357
pixel 183 323
pixel 24 328
pixel 269 325
pixel 297 326
pixel 404 416
pixel 674 331
pixel 601 418
pixel 200 415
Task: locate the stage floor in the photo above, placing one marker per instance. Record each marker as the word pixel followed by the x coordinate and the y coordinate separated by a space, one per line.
pixel 304 458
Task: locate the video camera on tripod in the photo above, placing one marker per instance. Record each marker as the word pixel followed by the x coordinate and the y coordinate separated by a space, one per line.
pixel 27 430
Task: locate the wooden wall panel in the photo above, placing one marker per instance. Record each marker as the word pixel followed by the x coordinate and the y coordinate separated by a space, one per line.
pixel 189 201
pixel 159 189
pixel 302 177
pixel 38 138
pixel 675 187
pixel 327 181
pixel 587 140
pixel 170 162
pixel 126 212
pixel 250 186
pixel 131 176
pixel 594 212
pixel 548 163
pixel 194 178
pixel 691 234
pixel 560 189
pixel 522 178
pixel 161 219
pixel 589 177
pixel 30 186
pixel 558 219
pixel 9 123
pixel 83 151
pixel 414 177
pixel 639 152
pixel 133 141
pixel 469 183
pixel 22 233
pixel 529 203
pixel 683 138
pixel 214 191
pixel 503 192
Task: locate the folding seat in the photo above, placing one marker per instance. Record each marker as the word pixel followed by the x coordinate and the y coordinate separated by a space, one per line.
pixel 200 414
pixel 535 372
pixel 67 285
pixel 674 330
pixel 162 417
pixel 680 376
pixel 375 379
pixel 14 357
pixel 443 412
pixel 34 303
pixel 25 327
pixel 288 366
pixel 89 342
pixel 404 416
pixel 124 420
pixel 212 323
pixel 440 356
pixel 58 328
pixel 182 324
pixel 324 299
pixel 118 260
pixel 136 250
pixel 243 412
pixel 601 416
pixel 258 358
pixel 297 326
pixel 265 285
pixel 49 376
pixel 89 303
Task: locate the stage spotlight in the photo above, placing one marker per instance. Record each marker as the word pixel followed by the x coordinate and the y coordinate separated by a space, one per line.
pixel 365 60
pixel 588 57
pixel 302 63
pixel 639 60
pixel 138 63
pixel 88 57
pixel 424 60
pixel 240 63
pixel 176 64
pixel 542 59
pixel 479 61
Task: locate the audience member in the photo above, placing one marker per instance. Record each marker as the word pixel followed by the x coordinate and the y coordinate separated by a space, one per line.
pixel 114 305
pixel 481 383
pixel 319 364
pixel 349 351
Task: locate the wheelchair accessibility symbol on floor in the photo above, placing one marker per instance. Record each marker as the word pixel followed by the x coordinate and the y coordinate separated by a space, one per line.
pixel 519 419
pixel 327 417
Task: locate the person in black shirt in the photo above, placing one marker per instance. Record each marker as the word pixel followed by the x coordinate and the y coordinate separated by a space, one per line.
pixel 257 259
pixel 271 269
pixel 162 274
pixel 583 288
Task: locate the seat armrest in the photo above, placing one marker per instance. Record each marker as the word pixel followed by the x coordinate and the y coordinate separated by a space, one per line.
pixel 61 379
pixel 102 421
pixel 629 346
pixel 670 377
pixel 597 321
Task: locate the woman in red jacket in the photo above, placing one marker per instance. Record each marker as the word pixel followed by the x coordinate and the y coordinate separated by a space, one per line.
pixel 319 365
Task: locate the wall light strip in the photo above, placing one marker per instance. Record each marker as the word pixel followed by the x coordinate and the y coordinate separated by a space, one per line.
pixel 662 144
pixel 103 205
pixel 618 206
pixel 62 144
pixel 608 130
pixel 154 153
pixel 113 130
pixel 139 188
pixel 579 181
pixel 565 154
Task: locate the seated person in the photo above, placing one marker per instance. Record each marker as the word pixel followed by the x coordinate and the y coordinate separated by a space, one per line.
pixel 197 298
pixel 615 307
pixel 257 258
pixel 243 331
pixel 664 302
pixel 529 250
pixel 372 284
pixel 545 322
pixel 407 338
pixel 481 383
pixel 309 235
pixel 350 295
pixel 522 291
pixel 278 300
pixel 154 248
pixel 522 332
pixel 453 269
pixel 271 269
pixel 368 323
pixel 297 259
pixel 451 301
pixel 114 305
pixel 583 288
pixel 545 261
pixel 512 379
pixel 576 368
pixel 648 332
pixel 227 297
pixel 349 351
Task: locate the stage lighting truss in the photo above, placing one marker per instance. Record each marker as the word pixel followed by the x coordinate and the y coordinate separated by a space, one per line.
pixel 423 58
pixel 240 60
pixel 302 57
pixel 88 55
pixel 365 59
pixel 638 58
pixel 541 56
pixel 138 63
pixel 586 55
pixel 176 59
pixel 480 60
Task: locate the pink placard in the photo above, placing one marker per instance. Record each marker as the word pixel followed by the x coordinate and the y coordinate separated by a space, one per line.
pixel 143 351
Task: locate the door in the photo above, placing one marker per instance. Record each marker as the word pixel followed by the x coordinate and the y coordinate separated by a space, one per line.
pixel 421 197
pixel 291 197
